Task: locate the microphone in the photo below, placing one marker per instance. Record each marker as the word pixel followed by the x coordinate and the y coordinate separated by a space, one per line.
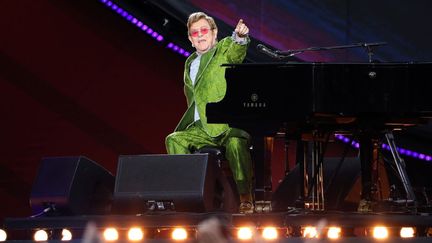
pixel 264 49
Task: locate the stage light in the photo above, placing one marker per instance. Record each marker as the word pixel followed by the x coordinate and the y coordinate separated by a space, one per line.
pixel 40 235
pixel 3 235
pixel 110 234
pixel 119 10
pixel 380 232
pixel 135 234
pixel 66 235
pixel 179 234
pixel 135 21
pixel 270 233
pixel 310 232
pixel 402 151
pixel 244 233
pixel 334 232
pixel 429 232
pixel 407 232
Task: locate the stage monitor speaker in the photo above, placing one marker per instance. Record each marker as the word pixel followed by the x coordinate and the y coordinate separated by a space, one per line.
pixel 287 193
pixel 71 186
pixel 184 183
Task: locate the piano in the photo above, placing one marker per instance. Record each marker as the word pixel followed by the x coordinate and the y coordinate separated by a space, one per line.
pixel 267 97
pixel 297 98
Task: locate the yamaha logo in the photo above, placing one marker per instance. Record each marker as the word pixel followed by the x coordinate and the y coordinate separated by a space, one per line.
pixel 254 104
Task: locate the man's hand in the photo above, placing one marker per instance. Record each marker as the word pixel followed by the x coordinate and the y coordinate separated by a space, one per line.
pixel 241 29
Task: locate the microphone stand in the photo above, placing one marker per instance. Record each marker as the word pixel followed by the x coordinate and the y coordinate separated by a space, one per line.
pixel 368 46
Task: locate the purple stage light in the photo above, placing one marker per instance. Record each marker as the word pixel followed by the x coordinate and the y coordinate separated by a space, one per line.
pixel 402 151
pixel 338 136
pixel 142 26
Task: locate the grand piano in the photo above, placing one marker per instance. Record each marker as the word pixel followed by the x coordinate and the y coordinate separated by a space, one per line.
pixel 364 99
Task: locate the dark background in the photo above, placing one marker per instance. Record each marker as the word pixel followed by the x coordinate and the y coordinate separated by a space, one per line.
pixel 77 79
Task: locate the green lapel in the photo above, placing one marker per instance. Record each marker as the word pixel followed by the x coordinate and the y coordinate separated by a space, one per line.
pixel 205 60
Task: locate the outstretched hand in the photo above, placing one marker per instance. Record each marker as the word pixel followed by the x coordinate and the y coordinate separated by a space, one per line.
pixel 241 29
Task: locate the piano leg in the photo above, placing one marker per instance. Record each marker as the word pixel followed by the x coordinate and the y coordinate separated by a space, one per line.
pixel 304 175
pixel 372 190
pixel 301 157
pixel 369 173
pixel 400 165
pixel 262 149
pixel 366 151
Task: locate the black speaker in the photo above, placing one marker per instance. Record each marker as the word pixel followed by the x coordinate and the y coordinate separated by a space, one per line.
pixel 184 183
pixel 72 186
pixel 339 178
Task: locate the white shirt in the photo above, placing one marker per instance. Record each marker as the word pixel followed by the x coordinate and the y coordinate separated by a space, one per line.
pixel 194 67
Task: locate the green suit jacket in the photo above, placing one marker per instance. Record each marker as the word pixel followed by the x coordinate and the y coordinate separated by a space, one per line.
pixel 210 84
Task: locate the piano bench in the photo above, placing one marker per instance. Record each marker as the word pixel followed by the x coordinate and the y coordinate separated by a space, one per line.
pixel 219 153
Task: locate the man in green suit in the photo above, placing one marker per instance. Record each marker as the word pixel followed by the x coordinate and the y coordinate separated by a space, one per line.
pixel 204 82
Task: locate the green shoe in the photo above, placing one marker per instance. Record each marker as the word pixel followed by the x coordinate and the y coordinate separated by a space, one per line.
pixel 246 207
pixel 365 206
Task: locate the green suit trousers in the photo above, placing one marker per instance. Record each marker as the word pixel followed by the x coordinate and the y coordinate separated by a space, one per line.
pixel 236 151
